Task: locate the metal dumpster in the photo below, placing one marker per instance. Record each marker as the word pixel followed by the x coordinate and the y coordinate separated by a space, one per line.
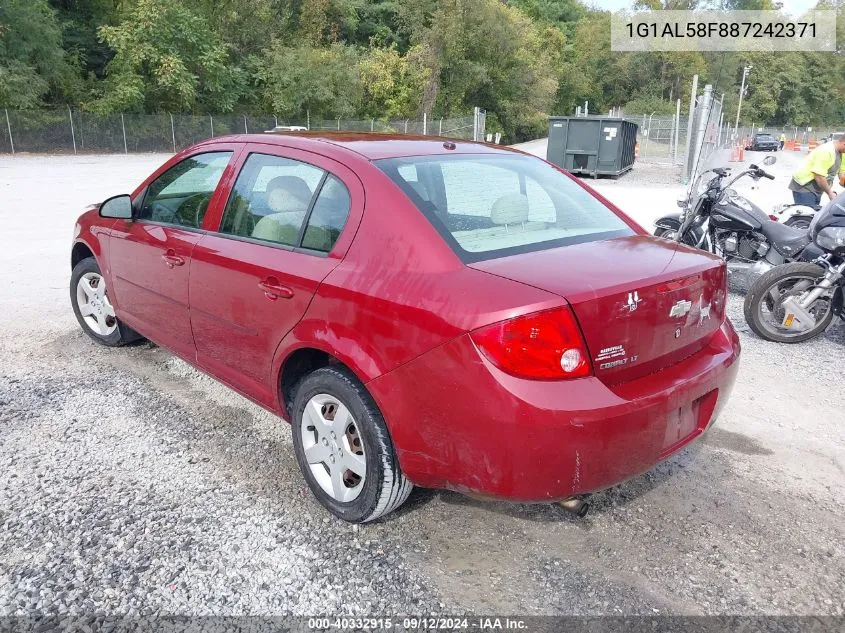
pixel 597 146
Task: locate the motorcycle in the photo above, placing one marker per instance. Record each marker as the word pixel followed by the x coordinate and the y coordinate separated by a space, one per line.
pixel 717 219
pixel 797 301
pixel 797 216
pixel 800 215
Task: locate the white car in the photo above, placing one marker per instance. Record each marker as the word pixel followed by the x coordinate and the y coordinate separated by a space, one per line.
pixel 287 128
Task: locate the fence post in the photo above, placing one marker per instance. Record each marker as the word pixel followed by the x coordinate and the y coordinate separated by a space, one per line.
pixel 173 132
pixel 72 133
pixel 372 125
pixel 276 119
pixel 246 129
pixel 677 130
pixel 706 105
pixel 406 126
pixel 338 125
pixel 440 129
pixel 425 124
pixel 693 95
pixel 9 127
pixel 211 122
pixel 123 125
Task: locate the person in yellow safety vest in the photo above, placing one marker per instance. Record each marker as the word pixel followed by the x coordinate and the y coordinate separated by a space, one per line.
pixel 782 140
pixel 816 174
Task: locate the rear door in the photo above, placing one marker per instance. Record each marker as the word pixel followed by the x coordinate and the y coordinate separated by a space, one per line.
pixel 253 279
pixel 150 255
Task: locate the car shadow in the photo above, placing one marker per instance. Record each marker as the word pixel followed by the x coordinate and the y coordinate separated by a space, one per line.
pixel 601 503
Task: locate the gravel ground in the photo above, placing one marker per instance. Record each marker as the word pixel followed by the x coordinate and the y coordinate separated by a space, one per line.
pixel 131 483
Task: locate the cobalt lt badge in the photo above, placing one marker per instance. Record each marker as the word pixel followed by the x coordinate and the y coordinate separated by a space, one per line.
pixel 677 332
pixel 633 300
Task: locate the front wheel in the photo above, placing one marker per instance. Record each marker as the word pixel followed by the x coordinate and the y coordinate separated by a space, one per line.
pixel 669 234
pixel 343 447
pixel 92 306
pixel 763 305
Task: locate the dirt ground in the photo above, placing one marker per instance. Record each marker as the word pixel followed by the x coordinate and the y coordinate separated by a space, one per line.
pixel 132 484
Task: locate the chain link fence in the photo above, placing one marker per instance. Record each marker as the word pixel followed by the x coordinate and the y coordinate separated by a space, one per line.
pixel 656 138
pixel 51 131
pixel 802 135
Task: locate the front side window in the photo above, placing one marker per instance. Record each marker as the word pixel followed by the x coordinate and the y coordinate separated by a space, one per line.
pixel 287 202
pixel 181 195
pixel 488 206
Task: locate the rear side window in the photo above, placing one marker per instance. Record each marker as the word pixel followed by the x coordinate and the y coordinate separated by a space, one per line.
pixel 328 216
pixel 488 206
pixel 287 202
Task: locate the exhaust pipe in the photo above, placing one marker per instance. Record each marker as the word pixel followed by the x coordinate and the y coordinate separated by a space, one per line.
pixel 576 506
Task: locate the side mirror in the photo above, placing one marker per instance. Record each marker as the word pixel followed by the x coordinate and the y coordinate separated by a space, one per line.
pixel 770 160
pixel 119 207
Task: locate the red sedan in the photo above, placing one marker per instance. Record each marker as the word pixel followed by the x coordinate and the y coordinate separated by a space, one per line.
pixel 423 311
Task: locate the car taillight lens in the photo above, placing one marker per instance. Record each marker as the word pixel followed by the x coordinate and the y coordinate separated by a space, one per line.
pixel 546 345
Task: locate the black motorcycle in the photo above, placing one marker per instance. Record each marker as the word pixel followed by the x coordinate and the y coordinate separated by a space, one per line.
pixel 717 219
pixel 797 301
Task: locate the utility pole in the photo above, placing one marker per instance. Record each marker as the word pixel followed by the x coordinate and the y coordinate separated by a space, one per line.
pixel 745 72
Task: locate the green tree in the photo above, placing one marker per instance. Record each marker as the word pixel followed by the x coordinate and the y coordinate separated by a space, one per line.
pixel 167 58
pixel 33 64
pixel 484 53
pixel 295 80
pixel 392 84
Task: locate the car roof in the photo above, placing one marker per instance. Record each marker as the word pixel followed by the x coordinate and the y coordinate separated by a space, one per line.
pixel 370 146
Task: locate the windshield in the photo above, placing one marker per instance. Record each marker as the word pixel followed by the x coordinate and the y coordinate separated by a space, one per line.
pixel 488 206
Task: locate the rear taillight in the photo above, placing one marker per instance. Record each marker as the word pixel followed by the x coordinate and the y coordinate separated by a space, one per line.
pixel 546 345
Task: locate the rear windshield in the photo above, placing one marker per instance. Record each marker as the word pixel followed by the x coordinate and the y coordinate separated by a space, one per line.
pixel 489 206
pixel 765 137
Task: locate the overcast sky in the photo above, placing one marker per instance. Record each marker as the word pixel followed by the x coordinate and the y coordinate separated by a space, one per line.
pixel 793 7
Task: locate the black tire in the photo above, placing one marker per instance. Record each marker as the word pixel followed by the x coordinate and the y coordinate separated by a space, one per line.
pixel 121 334
pixel 799 222
pixel 758 295
pixel 384 487
pixel 663 232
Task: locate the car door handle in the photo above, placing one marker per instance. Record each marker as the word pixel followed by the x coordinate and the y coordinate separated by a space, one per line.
pixel 172 259
pixel 273 289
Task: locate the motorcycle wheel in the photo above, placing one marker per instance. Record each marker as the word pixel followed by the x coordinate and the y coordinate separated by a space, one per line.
pixel 670 234
pixel 799 222
pixel 763 305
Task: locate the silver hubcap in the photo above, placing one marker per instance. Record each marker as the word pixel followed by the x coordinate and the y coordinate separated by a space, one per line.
pixel 333 448
pixel 94 304
pixel 772 313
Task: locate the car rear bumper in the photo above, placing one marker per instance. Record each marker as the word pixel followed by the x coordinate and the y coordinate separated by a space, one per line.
pixel 459 423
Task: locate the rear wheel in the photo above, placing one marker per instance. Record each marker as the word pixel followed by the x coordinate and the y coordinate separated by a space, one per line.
pixel 763 305
pixel 799 222
pixel 89 297
pixel 343 447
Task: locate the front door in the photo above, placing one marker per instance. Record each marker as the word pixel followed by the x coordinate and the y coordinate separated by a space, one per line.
pixel 150 255
pixel 253 280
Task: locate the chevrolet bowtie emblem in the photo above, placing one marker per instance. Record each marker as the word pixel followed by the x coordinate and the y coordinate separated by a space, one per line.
pixel 681 308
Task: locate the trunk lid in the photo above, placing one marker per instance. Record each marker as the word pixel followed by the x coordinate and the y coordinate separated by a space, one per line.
pixel 642 303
